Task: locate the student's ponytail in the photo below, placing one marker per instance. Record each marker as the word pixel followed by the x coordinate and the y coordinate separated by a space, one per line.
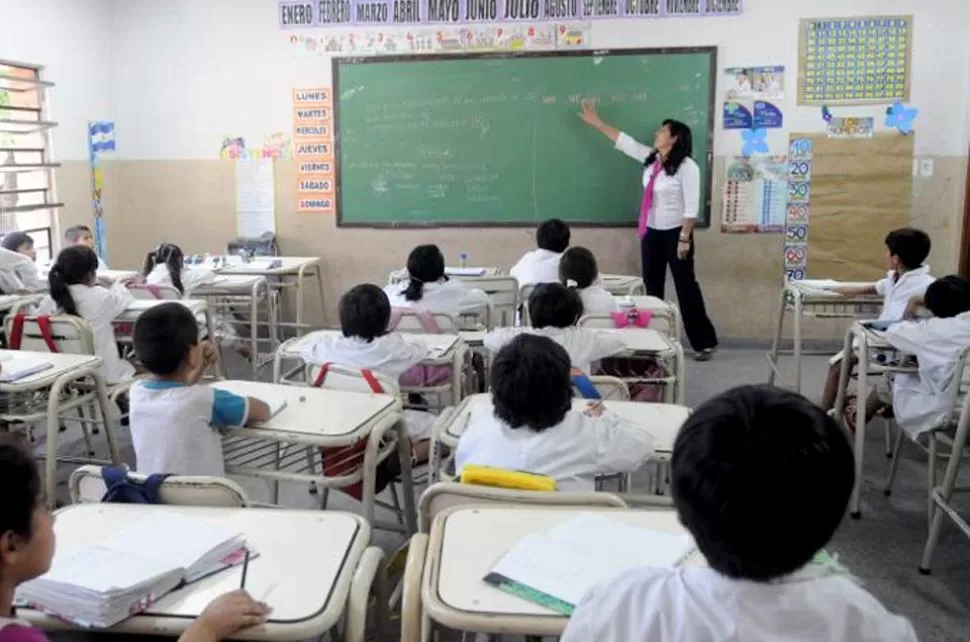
pixel 426 264
pixel 77 265
pixel 171 256
pixel 149 264
pixel 174 265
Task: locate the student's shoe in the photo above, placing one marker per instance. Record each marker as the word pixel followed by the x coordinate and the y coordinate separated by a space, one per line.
pixel 704 355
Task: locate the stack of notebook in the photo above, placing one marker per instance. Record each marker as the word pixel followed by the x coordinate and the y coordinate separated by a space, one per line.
pixel 126 573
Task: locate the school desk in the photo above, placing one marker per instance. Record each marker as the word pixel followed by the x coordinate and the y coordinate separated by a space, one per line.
pixel 814 299
pixel 55 402
pixel 291 272
pixel 865 342
pixel 287 447
pixel 248 294
pixel 10 301
pixel 660 308
pixel 198 308
pixel 105 276
pixel 663 421
pixel 444 350
pixel 466 542
pixel 305 568
pixel 622 284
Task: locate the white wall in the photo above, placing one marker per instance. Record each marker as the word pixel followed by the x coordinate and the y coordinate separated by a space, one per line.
pixel 191 72
pixel 71 38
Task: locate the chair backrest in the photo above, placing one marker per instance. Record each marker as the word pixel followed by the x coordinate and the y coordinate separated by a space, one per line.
pixel 662 320
pixel 346 379
pixel 410 320
pixel 503 291
pixel 71 335
pixel 87 486
pixel 609 388
pixel 524 293
pixel 444 495
pixel 154 292
pixel 960 389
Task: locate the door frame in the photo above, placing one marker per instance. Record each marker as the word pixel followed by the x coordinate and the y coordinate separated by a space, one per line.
pixel 965 237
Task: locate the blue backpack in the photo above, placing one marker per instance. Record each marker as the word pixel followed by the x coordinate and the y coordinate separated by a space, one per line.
pixel 124 490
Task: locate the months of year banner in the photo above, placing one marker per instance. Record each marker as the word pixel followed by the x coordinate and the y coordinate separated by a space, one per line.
pixel 293 14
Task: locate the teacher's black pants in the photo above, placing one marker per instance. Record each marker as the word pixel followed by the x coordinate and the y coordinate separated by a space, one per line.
pixel 658 249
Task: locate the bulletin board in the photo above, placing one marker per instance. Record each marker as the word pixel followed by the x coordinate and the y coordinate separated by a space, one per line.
pixel 857 60
pixel 860 189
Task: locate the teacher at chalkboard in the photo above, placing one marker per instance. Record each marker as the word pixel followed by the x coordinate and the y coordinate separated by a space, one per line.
pixel 668 211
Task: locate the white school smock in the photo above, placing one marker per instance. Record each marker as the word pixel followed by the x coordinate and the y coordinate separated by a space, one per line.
pixel 175 427
pixel 100 306
pixel 573 452
pixel 701 605
pixel 192 278
pixel 896 293
pixel 584 345
pixel 18 273
pixel 537 266
pixel 390 355
pixel 597 300
pixel 444 297
pixel 921 401
pixel 674 197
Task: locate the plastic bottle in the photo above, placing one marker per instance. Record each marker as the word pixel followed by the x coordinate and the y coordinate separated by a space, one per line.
pixel 463 260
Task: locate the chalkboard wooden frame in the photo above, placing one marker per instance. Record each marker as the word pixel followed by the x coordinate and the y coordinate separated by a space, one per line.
pixel 704 215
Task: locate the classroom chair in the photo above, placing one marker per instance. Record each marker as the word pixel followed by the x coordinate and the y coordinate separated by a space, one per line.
pixel 940 435
pixel 412 613
pixel 370 580
pixel 525 292
pixel 86 485
pixel 443 495
pixel 503 292
pixel 941 496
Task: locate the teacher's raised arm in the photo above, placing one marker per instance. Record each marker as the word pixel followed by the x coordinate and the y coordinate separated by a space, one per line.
pixel 668 211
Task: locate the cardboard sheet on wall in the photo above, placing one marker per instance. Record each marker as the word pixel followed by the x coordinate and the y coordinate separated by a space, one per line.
pixel 860 190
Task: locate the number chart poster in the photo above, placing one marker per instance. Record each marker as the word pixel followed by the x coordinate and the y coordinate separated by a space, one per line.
pixel 799 208
pixel 387 13
pixel 755 195
pixel 854 60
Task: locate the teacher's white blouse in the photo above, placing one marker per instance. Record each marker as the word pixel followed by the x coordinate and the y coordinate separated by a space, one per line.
pixel 674 197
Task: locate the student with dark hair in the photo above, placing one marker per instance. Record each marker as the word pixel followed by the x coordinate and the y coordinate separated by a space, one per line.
pixel 542 265
pixel 668 212
pixel 366 343
pixel 554 311
pixel 27 545
pixel 761 478
pixel 578 269
pixel 907 278
pixel 18 271
pixel 531 426
pixel 921 401
pixel 429 289
pixel 82 235
pixel 165 266
pixel 74 290
pixel 175 418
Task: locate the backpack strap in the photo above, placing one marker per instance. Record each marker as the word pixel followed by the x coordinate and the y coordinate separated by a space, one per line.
pixel 368 376
pixel 584 384
pixel 16 331
pixel 47 333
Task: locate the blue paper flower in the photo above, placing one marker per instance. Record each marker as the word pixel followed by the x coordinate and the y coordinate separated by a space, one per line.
pixel 826 114
pixel 754 142
pixel 901 117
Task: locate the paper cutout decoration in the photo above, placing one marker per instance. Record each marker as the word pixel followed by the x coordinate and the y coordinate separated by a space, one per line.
pixel 826 114
pixel 233 148
pixel 901 117
pixel 102 137
pixel 754 142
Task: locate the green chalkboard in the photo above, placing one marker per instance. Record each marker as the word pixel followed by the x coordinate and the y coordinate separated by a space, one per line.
pixel 495 139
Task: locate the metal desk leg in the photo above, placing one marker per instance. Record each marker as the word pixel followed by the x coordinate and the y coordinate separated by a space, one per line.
pixel 254 328
pixel 798 341
pixel 407 479
pixel 210 328
pixel 855 505
pixel 776 342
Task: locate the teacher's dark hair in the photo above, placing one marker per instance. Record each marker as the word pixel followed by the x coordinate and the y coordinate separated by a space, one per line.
pixel 683 147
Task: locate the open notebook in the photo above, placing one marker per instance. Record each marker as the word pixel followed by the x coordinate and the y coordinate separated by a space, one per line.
pixel 15 368
pixel 132 569
pixel 556 568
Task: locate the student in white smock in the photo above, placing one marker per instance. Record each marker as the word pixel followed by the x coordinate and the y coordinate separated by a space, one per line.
pixel 578 269
pixel 18 268
pixel 74 290
pixel 430 290
pixel 921 401
pixel 760 478
pixel 542 264
pixel 554 310
pixel 530 425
